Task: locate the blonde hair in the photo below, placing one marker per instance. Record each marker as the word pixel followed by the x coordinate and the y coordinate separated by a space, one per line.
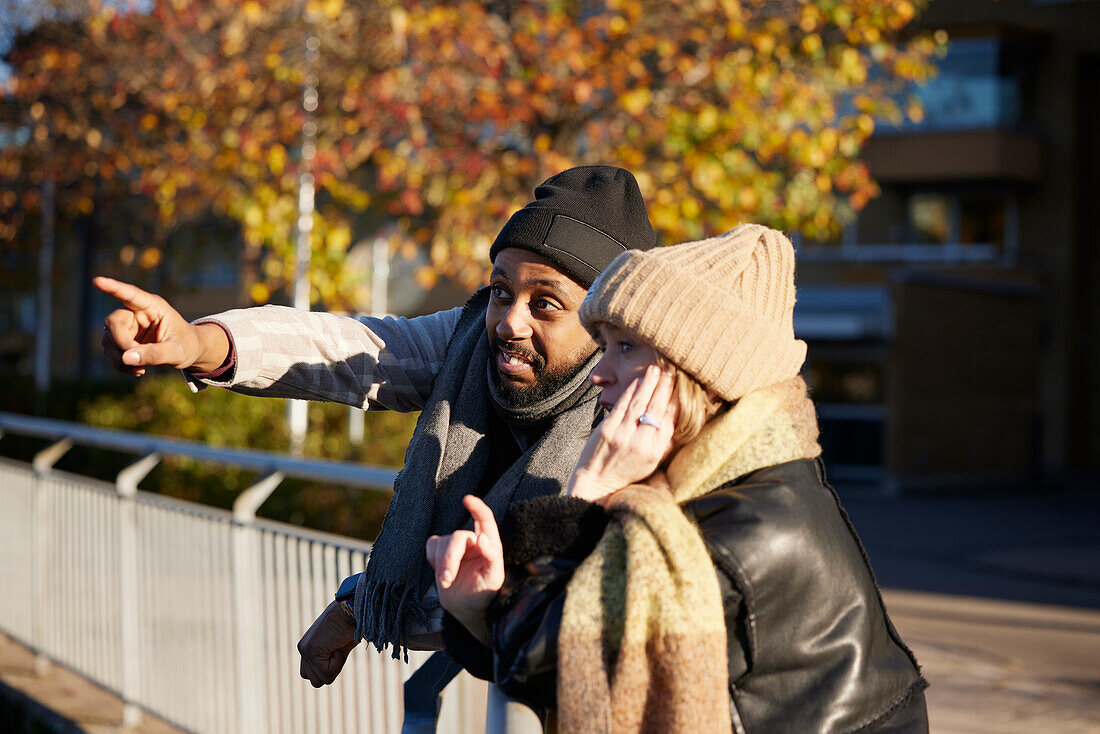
pixel 695 404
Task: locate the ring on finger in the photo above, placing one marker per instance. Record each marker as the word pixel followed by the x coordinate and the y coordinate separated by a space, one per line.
pixel 645 419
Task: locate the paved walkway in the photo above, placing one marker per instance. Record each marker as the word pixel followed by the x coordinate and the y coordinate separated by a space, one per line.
pixel 999 597
pixel 1003 667
pixel 79 704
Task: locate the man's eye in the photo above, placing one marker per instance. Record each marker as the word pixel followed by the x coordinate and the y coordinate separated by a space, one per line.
pixel 625 347
pixel 542 303
pixel 499 291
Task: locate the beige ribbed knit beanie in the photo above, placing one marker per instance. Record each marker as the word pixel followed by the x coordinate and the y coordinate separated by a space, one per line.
pixel 720 308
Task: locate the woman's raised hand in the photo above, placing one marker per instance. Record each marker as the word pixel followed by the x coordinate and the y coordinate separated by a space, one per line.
pixel 631 442
pixel 469 568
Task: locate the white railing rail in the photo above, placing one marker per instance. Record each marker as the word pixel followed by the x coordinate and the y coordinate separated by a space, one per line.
pixel 186 611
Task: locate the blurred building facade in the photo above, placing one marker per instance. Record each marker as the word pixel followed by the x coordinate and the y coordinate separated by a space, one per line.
pixel 953 327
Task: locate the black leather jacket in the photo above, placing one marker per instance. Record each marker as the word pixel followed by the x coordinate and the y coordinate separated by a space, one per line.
pixel 810 646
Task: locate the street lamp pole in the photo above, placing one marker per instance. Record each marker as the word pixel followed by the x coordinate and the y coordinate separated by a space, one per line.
pixel 297 410
pixel 44 326
pixel 379 307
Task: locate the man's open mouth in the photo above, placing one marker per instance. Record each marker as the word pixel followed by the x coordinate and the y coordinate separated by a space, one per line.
pixel 512 365
pixel 516 363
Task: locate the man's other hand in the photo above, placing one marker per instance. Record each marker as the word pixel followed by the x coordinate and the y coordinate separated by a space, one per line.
pixel 326 645
pixel 149 332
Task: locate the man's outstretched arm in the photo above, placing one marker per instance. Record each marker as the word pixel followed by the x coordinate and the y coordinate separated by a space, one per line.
pixel 282 352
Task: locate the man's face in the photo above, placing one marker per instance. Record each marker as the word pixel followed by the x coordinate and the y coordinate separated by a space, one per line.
pixel 536 341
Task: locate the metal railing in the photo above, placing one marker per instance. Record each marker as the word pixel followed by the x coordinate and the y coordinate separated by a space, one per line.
pixel 184 610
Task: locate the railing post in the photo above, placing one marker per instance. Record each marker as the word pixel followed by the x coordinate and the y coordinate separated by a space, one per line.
pixel 423 693
pixel 42 462
pixel 505 716
pixel 126 485
pixel 249 501
pixel 247 604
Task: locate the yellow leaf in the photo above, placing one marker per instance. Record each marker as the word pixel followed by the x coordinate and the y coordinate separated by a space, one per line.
pixel 338 238
pixel 426 277
pixel 326 8
pixel 252 11
pixel 259 293
pixel 748 199
pixel 708 119
pixel 150 258
pixel 690 207
pixel 635 101
pixel 276 159
pixel 866 124
pixel 764 42
pixel 253 217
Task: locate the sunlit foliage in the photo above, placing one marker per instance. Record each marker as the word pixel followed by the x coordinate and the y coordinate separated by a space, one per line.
pixel 439 117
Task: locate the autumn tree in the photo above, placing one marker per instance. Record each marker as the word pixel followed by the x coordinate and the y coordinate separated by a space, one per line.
pixel 726 111
pixel 192 107
pixel 438 117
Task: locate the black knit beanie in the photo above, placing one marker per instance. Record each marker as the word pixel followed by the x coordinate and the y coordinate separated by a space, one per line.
pixel 580 220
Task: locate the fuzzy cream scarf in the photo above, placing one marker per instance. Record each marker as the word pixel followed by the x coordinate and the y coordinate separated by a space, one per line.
pixel 643 638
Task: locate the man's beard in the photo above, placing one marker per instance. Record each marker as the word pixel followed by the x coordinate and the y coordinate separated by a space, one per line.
pixel 547 381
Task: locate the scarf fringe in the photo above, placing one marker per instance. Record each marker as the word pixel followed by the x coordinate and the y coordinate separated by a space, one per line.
pixel 381 612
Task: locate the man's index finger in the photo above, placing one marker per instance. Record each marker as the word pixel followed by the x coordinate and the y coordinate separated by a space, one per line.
pixel 130 295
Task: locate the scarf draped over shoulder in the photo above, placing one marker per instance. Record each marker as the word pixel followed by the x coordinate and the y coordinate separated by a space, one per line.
pixel 642 646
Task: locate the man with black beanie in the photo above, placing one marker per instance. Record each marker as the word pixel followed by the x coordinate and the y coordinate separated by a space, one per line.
pixel 502 384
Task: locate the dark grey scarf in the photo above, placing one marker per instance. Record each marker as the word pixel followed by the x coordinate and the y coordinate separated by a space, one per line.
pixel 446 460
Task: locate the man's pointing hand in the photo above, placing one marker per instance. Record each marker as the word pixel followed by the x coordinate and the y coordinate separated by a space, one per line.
pixel 149 332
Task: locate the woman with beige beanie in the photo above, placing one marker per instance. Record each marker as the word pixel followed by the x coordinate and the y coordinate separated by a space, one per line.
pixel 700 574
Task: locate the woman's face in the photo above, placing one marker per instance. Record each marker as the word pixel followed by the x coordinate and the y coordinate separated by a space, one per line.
pixel 624 360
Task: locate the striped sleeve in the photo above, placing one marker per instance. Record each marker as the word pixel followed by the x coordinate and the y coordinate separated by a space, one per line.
pixel 369 363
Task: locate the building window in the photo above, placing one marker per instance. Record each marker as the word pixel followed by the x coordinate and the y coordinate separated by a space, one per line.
pixel 938 218
pixel 947 224
pixel 930 219
pixel 982 83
